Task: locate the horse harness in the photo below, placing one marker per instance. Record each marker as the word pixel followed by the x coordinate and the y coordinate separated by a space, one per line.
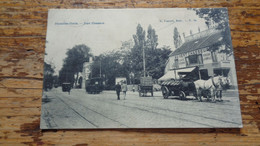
pixel 213 83
pixel 216 86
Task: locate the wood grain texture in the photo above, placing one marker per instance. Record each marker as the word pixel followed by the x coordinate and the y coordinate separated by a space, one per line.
pixel 22 40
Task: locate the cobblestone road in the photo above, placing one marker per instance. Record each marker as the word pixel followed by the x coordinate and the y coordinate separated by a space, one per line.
pixel 81 110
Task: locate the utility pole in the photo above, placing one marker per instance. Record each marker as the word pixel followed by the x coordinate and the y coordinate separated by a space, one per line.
pixel 100 69
pixel 144 60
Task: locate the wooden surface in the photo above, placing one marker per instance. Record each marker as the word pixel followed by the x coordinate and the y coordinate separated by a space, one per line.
pixel 22 41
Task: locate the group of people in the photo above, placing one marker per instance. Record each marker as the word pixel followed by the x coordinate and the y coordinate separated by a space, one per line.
pixel 120 88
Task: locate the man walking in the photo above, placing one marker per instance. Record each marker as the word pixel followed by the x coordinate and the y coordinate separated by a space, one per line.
pixel 118 89
pixel 124 89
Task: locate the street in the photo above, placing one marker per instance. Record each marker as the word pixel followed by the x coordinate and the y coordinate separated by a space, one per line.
pixel 82 110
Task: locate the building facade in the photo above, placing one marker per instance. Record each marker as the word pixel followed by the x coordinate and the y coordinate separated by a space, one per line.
pixel 86 71
pixel 197 50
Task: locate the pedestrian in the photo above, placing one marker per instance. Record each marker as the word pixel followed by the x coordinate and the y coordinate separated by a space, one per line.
pixel 118 89
pixel 124 89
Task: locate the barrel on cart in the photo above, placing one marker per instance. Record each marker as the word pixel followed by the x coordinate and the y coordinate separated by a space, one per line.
pixel 145 86
pixel 181 83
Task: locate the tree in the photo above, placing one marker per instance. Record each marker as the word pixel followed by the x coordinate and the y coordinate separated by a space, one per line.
pixel 152 38
pixel 176 38
pixel 73 63
pixel 111 65
pixel 157 60
pixel 137 50
pixel 156 57
pixel 128 60
pixel 48 76
pixel 218 17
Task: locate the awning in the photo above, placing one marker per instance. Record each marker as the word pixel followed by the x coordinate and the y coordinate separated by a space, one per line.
pixel 168 76
pixel 185 70
pixel 171 74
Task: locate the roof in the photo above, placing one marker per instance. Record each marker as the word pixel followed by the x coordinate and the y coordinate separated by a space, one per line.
pixel 199 43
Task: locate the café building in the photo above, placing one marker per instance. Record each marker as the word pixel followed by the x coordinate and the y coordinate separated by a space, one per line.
pixel 197 51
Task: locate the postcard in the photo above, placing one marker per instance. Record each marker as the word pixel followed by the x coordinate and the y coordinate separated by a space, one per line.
pixel 139 68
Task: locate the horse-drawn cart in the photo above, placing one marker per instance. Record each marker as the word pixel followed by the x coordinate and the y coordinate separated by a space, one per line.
pixel 178 88
pixel 145 86
pixel 180 83
pixel 187 82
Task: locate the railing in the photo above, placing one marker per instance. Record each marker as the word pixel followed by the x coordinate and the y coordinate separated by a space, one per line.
pixel 195 64
pixel 201 34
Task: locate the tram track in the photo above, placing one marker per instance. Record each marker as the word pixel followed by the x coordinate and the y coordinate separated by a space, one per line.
pixel 78 113
pixel 92 111
pixel 184 113
pixel 137 106
pixel 87 108
pixel 157 113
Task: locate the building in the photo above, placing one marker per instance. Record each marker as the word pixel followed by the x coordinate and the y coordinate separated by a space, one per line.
pixel 197 50
pixel 86 71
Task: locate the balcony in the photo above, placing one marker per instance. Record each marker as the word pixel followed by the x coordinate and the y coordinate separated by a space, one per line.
pixel 223 63
pixel 195 64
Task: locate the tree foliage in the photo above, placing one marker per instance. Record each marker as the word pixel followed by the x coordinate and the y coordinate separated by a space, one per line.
pixel 176 38
pixel 109 66
pixel 218 17
pixel 48 76
pixel 129 59
pixel 73 63
pixel 156 61
pixel 136 53
pixel 152 38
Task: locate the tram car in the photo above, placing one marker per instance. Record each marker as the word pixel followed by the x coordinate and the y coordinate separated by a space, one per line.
pixel 66 87
pixel 94 85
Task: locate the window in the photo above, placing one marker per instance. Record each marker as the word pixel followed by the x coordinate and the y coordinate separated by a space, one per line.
pixel 194 59
pixel 221 71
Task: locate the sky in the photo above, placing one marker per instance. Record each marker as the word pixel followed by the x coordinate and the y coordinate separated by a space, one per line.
pixel 104 30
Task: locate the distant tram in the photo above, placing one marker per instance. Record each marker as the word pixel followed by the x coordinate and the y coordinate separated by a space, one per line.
pixel 94 85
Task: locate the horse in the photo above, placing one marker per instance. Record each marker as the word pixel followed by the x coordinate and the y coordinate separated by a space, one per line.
pixel 211 86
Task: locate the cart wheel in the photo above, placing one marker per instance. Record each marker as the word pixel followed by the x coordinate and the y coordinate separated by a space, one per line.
pixel 182 95
pixel 165 92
